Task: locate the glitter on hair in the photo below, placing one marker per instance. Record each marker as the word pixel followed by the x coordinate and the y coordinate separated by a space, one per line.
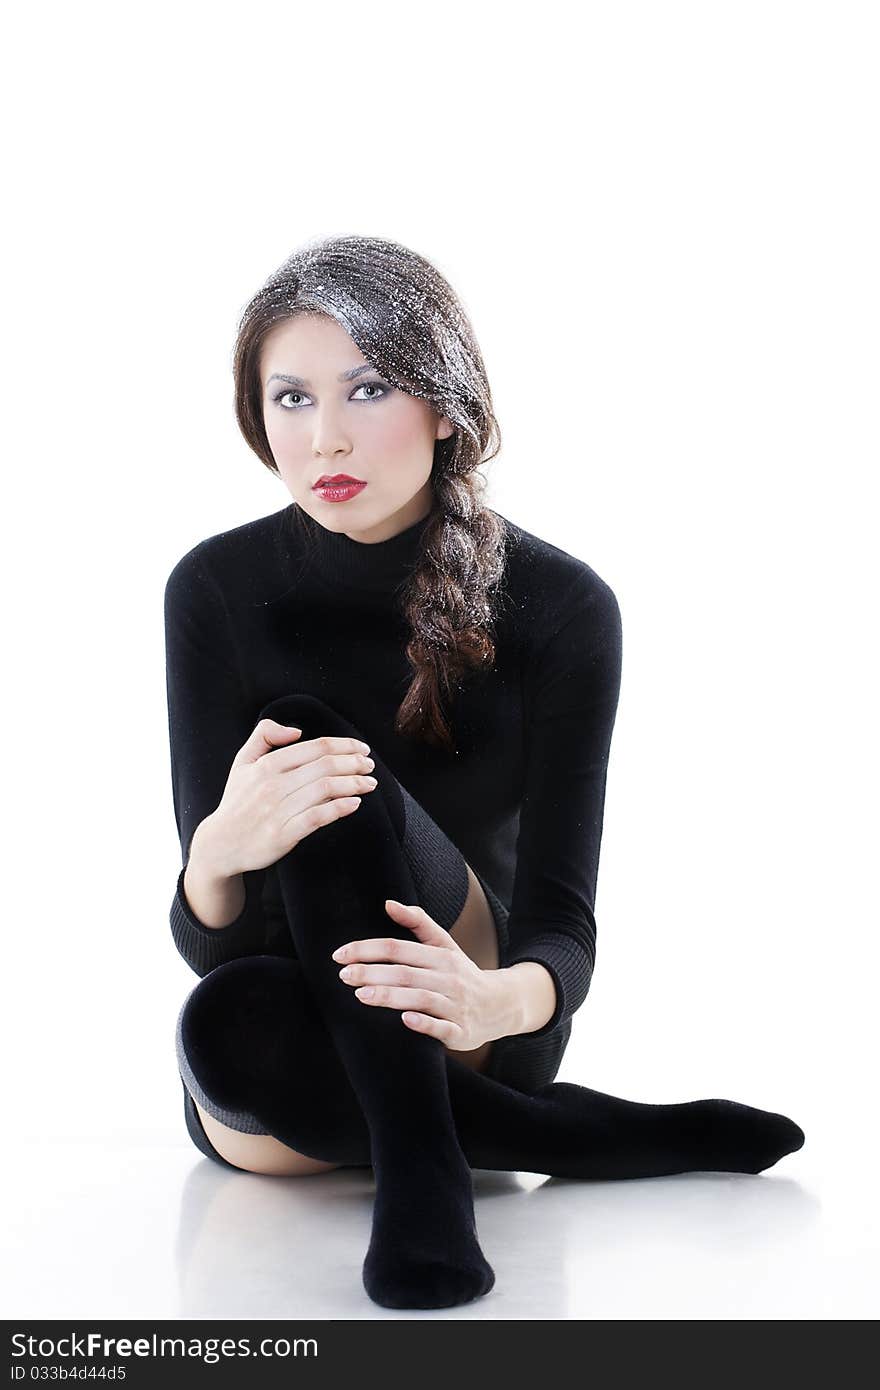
pixel 410 325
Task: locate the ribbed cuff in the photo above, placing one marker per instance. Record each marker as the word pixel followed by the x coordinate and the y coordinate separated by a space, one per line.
pixel 203 947
pixel 570 964
pixel 438 868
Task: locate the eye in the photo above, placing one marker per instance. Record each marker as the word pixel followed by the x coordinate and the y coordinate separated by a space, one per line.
pixel 282 395
pixel 373 386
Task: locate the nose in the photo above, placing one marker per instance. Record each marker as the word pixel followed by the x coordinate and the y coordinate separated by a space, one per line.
pixel 329 437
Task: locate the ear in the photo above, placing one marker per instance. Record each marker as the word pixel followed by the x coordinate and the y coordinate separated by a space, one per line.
pixel 445 428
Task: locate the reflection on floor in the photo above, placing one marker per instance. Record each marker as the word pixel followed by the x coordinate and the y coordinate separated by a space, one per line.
pixel 128 1227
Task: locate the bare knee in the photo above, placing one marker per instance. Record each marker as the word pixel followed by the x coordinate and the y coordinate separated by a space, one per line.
pixel 259 1153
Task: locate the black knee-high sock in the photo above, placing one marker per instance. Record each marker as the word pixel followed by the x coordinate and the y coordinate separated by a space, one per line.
pixel 257 1043
pixel 424 1251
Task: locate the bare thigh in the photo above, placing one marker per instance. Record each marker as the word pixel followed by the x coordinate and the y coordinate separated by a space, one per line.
pixel 259 1153
pixel 475 932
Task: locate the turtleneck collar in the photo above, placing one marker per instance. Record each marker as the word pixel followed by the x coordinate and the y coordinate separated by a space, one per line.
pixel 378 566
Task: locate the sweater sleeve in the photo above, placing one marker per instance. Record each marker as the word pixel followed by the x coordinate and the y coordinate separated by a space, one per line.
pixel 207 722
pixel 573 696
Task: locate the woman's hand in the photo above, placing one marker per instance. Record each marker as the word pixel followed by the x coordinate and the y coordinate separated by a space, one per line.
pixel 439 988
pixel 277 795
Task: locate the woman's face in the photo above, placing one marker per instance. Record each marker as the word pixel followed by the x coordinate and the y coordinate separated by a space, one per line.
pixel 364 427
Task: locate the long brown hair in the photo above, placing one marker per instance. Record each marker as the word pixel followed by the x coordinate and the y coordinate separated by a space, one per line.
pixel 410 325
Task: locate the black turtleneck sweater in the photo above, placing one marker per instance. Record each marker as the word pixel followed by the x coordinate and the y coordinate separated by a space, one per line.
pixel 260 611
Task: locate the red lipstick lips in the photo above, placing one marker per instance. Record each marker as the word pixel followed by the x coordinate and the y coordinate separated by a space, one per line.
pixel 337 478
pixel 337 487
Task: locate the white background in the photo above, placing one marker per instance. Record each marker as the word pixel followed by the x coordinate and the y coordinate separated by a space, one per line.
pixel 663 223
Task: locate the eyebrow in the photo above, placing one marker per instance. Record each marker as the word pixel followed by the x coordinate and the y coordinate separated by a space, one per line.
pixel 301 381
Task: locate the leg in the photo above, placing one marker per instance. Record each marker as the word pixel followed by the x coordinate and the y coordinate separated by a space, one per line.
pixel 252 1021
pixel 423 1250
pixel 561 1129
pixel 230 1031
pixel 258 1153
pixel 476 934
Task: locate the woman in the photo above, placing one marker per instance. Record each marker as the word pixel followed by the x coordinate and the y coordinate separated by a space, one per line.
pixel 390 713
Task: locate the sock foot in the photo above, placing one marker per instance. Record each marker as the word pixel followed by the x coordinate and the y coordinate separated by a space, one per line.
pixel 424 1251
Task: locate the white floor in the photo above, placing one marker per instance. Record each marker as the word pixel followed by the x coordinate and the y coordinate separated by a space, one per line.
pixel 124 1228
